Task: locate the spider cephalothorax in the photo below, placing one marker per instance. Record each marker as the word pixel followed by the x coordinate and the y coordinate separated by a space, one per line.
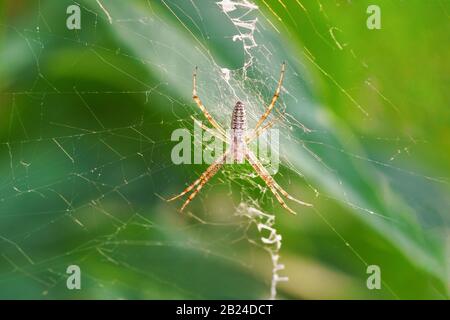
pixel 238 150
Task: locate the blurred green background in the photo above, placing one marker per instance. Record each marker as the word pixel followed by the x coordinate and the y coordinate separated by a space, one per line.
pixel 86 118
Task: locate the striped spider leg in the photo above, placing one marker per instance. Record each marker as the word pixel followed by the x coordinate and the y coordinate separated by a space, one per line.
pixel 202 107
pixel 201 181
pixel 274 187
pixel 218 163
pixel 271 183
pixel 274 98
pixel 238 149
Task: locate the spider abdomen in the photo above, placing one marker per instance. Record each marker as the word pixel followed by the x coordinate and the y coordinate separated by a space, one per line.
pixel 238 128
pixel 238 118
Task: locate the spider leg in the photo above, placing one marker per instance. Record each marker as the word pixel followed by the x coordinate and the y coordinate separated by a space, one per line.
pixel 214 133
pixel 277 186
pixel 271 183
pixel 209 175
pixel 274 98
pixel 205 175
pixel 189 188
pixel 201 106
pixel 268 180
pixel 256 133
pixel 287 195
pixel 202 176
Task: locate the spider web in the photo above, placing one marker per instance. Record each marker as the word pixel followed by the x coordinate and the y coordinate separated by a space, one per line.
pixel 86 163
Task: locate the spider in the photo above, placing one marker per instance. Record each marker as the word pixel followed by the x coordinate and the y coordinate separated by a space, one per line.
pixel 238 150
